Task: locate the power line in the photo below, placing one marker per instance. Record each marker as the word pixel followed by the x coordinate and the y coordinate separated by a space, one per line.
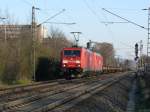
pixel 53 16
pixel 109 30
pixel 94 13
pixel 112 35
pixel 120 22
pixel 124 9
pixel 133 24
pixel 112 22
pixel 34 2
pixel 61 23
pixel 124 18
pixel 105 19
pixel 27 2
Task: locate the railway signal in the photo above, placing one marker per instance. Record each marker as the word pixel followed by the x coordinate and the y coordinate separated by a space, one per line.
pixel 136 52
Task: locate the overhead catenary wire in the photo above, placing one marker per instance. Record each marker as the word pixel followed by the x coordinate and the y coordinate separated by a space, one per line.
pixel 53 16
pixel 126 9
pixel 61 23
pixel 94 13
pixel 112 22
pixel 27 2
pixel 112 34
pixel 124 18
pixel 129 47
pixel 97 16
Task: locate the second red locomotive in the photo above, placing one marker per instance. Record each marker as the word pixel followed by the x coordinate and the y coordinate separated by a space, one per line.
pixel 76 60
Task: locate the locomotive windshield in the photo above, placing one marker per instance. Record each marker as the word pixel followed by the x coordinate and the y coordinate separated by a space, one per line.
pixel 71 52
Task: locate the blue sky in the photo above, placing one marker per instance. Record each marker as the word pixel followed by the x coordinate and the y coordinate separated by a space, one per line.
pixel 88 15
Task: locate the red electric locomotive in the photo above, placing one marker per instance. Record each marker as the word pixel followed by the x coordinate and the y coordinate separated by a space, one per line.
pixel 76 60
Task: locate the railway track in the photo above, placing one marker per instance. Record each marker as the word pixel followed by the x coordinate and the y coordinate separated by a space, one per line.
pixel 13 93
pixel 27 87
pixel 28 91
pixel 54 94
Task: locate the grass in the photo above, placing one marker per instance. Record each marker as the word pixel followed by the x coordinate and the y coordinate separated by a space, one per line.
pixel 142 103
pixel 23 81
pixel 15 83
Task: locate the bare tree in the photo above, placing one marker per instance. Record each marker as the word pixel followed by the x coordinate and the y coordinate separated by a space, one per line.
pixel 107 51
pixel 55 42
pixel 9 64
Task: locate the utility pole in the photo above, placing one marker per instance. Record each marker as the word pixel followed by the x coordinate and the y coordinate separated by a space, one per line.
pixel 148 34
pixel 33 28
pixel 148 40
pixel 76 37
pixel 33 40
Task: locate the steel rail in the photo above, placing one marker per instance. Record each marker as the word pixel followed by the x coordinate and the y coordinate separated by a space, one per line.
pixel 52 101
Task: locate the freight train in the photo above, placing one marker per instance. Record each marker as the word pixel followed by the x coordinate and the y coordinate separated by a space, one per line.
pixel 78 60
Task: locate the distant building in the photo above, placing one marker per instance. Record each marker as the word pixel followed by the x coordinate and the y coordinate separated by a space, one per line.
pixel 15 31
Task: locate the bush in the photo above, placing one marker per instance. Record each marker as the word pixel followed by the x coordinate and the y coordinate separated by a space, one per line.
pixel 48 69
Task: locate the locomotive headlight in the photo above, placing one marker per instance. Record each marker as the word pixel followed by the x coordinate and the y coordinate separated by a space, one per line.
pixel 78 65
pixel 65 61
pixel 77 61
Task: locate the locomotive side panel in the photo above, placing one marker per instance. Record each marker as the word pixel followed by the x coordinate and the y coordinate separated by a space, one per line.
pixel 83 59
pixel 98 62
pixel 86 60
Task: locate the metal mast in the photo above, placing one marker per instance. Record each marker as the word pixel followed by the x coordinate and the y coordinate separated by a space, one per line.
pixel 148 40
pixel 33 28
pixel 33 40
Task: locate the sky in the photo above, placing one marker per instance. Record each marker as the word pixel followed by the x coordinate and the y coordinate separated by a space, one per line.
pixel 89 17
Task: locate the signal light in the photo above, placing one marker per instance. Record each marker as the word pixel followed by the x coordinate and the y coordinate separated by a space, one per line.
pixel 136 51
pixel 136 58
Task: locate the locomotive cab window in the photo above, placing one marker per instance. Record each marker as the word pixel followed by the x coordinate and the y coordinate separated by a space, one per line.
pixel 71 52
